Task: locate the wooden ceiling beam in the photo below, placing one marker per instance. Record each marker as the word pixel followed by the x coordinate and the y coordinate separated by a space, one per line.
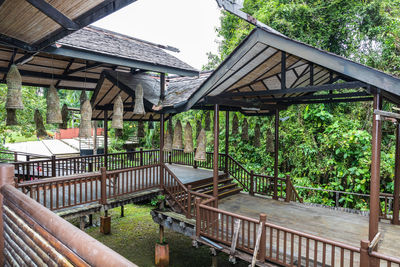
pixel 307 89
pixel 85 68
pixel 35 74
pixel 54 14
pixel 65 71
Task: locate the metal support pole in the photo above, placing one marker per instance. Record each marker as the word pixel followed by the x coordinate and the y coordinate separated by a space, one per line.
pixel 216 150
pixel 6 177
pixel 396 194
pixel 105 138
pixel 226 142
pixel 276 154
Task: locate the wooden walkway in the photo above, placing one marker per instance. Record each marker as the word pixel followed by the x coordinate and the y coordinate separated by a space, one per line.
pixel 324 222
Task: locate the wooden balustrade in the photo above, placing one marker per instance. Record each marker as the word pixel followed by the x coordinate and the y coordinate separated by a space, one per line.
pixel 64 192
pixel 35 236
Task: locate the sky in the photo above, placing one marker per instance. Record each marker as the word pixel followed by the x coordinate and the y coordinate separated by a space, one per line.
pixel 188 25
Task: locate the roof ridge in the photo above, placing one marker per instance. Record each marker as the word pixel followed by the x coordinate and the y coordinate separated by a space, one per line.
pixel 124 36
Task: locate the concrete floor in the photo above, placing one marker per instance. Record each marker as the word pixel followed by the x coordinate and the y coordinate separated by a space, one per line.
pixel 328 223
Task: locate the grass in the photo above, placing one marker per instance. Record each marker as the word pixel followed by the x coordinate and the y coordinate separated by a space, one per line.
pixel 135 235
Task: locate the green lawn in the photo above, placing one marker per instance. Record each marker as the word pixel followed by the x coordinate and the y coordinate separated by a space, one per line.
pixel 135 235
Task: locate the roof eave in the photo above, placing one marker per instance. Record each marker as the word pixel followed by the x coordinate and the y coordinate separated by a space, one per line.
pixel 68 51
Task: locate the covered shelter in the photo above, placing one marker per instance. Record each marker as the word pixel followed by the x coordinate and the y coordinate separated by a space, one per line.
pixel 268 72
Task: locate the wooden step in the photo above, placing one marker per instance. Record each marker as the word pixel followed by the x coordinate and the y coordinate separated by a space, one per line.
pixel 221 188
pixel 230 192
pixel 223 181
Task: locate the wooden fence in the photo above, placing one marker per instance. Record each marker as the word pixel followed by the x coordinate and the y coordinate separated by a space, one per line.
pixel 31 235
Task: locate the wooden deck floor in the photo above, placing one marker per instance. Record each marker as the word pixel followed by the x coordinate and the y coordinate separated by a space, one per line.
pixel 327 223
pixel 187 174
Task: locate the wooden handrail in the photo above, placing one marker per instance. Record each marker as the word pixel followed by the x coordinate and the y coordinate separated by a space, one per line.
pixel 58 179
pixel 84 246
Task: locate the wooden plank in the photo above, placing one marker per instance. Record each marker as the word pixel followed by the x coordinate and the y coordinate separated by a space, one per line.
pixel 387 114
pixel 257 246
pixel 235 237
pixel 54 14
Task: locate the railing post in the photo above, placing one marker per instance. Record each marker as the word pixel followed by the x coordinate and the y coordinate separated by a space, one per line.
pixel 288 188
pixel 170 157
pixel 364 256
pixel 53 166
pixel 189 202
pixel 141 156
pixel 103 198
pixel 28 171
pixel 198 217
pixel 252 183
pixel 15 156
pixel 263 240
pixel 6 177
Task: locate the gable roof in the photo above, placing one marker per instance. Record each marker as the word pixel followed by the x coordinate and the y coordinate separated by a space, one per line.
pixel 108 43
pixel 268 71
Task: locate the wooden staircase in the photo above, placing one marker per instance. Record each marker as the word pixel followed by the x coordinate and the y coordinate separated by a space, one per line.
pixel 226 187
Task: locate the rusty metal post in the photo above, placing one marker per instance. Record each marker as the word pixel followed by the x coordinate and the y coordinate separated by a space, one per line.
pixel 6 177
pixel 216 150
pixel 189 202
pixel 105 138
pixel 375 169
pixel 396 194
pixel 276 154
pixel 103 197
pixel 263 240
pixel 364 256
pixel 226 142
pixel 198 217
pixel 252 183
pixel 53 166
pixel 287 199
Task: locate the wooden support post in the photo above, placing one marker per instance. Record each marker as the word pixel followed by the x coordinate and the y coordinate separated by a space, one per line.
pixel 226 142
pixel 375 170
pixel 275 196
pixel 288 191
pixel 161 230
pixel 161 150
pixel 141 157
pixel 194 161
pixel 28 171
pixel 94 138
pixel 82 223
pixel 122 211
pixel 53 166
pixel 364 256
pixel 6 177
pixel 216 151
pixel 251 183
pixel 263 239
pixel 90 219
pixel 189 203
pixel 214 260
pixel 198 217
pixel 105 139
pixel 103 196
pixel 15 156
pixel 105 224
pixel 396 194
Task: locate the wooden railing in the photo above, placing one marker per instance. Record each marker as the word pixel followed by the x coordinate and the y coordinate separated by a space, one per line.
pixel 31 170
pixel 64 192
pixel 31 235
pixel 10 156
pixel 386 199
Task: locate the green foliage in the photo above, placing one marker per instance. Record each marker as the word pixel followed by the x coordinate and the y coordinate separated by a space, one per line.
pixel 324 146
